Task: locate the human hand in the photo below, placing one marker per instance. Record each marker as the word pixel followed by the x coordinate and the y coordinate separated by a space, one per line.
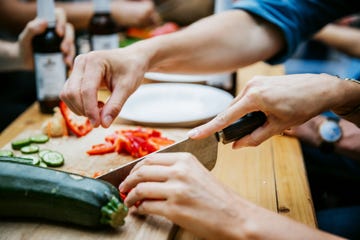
pixel 38 26
pixel 286 100
pixel 120 70
pixel 135 13
pixel 348 145
pixel 178 187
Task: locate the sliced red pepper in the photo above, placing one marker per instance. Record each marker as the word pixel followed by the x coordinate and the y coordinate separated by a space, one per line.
pixel 168 27
pixel 78 125
pixel 101 148
pixel 141 33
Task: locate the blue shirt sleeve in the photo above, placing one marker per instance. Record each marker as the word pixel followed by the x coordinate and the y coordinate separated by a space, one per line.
pixel 298 19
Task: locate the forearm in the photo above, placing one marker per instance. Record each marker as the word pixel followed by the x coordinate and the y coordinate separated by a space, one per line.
pixel 246 220
pixel 342 38
pixel 218 43
pixel 9 56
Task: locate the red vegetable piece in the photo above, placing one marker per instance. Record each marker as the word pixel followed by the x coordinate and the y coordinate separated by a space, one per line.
pixel 78 125
pixel 101 148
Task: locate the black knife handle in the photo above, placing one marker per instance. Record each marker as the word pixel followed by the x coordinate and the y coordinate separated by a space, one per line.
pixel 241 127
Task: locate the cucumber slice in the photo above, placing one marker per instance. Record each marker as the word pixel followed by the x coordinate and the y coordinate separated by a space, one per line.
pixel 18 144
pixel 53 159
pixel 43 151
pixel 6 153
pixel 40 138
pixel 30 149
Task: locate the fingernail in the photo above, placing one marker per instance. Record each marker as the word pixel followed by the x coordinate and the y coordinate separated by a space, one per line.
pixel 107 120
pixel 193 133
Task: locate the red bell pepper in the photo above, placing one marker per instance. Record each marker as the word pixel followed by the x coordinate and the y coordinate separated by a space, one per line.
pixel 78 125
pixel 101 148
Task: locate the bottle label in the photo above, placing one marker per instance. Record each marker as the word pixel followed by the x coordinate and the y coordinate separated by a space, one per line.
pixel 50 71
pixel 105 42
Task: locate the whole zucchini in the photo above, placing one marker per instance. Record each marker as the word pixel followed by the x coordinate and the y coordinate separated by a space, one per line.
pixel 28 191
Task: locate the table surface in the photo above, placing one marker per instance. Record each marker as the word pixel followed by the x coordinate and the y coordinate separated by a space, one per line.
pixel 271 175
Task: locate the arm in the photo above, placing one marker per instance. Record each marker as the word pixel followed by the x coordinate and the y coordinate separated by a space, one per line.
pixel 343 38
pixel 183 191
pixel 196 49
pixel 287 101
pixel 78 13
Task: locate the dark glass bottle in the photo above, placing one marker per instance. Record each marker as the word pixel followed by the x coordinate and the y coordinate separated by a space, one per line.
pixel 102 28
pixel 50 68
pixel 226 81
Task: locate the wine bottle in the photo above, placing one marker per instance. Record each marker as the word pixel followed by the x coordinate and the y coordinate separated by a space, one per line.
pixel 50 68
pixel 103 30
pixel 225 81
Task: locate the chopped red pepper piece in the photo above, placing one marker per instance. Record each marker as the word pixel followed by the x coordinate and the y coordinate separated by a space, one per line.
pixel 136 142
pixel 101 148
pixel 78 125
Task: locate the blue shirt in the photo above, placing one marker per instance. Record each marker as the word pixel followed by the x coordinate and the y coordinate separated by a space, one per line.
pixel 298 19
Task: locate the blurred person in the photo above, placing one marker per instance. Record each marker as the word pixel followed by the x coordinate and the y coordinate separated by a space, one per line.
pixel 17 94
pixel 261 30
pixel 79 12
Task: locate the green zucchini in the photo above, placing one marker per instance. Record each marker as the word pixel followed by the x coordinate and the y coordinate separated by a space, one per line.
pixel 31 192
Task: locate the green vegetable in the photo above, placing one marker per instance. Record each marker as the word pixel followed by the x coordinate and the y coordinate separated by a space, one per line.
pixel 35 192
pixel 18 144
pixel 32 148
pixel 53 159
pixel 6 153
pixel 40 138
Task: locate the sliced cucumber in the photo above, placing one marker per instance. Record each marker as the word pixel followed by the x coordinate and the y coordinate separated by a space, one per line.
pixel 6 153
pixel 40 138
pixel 43 151
pixel 53 159
pixel 30 149
pixel 18 144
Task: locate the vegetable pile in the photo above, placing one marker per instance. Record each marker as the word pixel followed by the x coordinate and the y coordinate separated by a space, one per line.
pixel 135 142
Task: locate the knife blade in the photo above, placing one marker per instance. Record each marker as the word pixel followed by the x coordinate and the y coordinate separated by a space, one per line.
pixel 205 150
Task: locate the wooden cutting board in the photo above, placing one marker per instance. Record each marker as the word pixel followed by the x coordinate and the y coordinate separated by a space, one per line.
pixel 77 161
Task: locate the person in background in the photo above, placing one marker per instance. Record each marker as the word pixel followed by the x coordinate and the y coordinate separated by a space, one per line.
pixel 18 56
pixel 257 30
pixel 79 12
pixel 184 12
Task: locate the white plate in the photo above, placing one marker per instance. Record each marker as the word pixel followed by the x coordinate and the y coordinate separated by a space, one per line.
pixel 174 104
pixel 167 77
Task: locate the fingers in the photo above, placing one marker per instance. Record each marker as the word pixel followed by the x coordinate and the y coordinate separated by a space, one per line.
pixel 152 168
pixel 71 90
pixel 60 21
pixel 68 45
pixel 32 29
pixel 224 119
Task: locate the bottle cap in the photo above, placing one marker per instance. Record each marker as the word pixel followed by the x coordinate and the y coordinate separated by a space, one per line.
pixel 46 11
pixel 101 6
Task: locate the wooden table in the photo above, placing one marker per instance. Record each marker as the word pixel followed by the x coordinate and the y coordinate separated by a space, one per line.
pixel 271 175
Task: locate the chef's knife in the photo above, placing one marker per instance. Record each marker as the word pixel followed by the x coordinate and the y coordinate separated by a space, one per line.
pixel 205 150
